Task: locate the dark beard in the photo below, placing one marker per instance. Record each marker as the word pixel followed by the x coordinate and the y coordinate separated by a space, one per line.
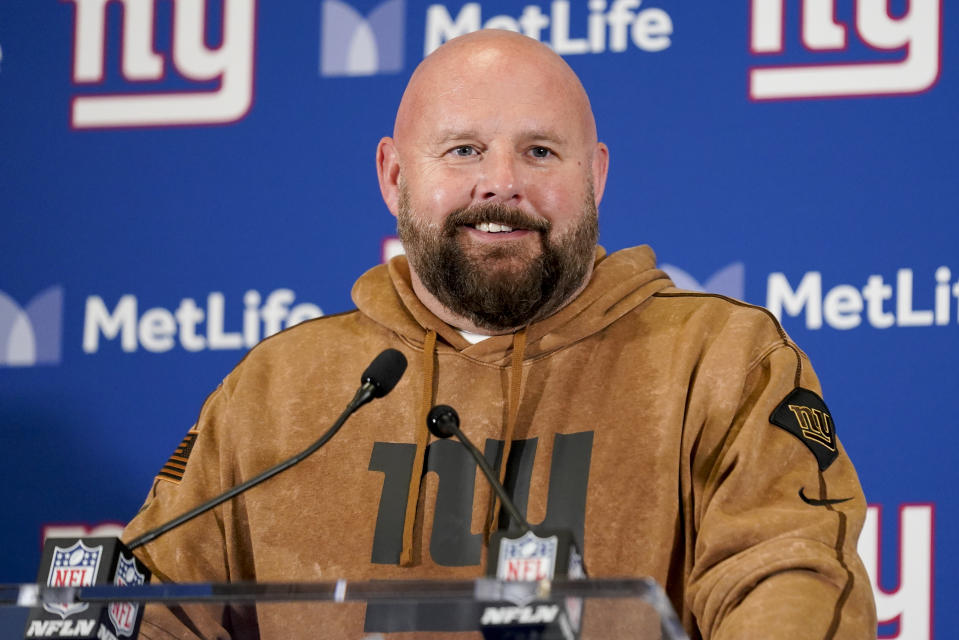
pixel 499 287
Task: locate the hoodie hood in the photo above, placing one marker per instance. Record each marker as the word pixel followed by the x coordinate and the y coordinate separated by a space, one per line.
pixel 620 282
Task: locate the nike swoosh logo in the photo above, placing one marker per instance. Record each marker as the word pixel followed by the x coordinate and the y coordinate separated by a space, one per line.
pixel 820 503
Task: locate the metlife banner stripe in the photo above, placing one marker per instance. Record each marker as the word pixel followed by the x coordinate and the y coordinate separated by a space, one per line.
pixel 181 178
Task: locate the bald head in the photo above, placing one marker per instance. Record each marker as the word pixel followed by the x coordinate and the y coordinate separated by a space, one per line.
pixel 472 63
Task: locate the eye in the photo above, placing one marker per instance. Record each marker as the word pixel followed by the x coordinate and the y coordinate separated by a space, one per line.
pixel 540 152
pixel 463 151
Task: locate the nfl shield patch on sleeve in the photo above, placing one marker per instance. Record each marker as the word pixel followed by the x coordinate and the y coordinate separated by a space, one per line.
pixel 804 414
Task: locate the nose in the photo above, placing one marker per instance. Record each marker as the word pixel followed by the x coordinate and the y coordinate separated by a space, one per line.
pixel 500 178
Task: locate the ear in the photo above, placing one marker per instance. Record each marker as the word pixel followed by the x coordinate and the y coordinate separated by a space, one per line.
pixel 388 172
pixel 600 170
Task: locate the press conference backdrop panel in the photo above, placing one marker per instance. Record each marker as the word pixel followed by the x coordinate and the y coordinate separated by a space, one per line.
pixel 173 191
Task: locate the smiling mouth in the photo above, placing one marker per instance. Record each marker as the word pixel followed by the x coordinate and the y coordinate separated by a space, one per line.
pixel 493 219
pixel 493 227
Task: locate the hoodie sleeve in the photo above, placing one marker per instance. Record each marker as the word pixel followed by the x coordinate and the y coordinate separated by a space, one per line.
pixel 196 551
pixel 778 513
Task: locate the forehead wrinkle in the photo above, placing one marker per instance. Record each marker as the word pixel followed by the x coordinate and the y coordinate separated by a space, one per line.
pixel 449 134
pixel 543 135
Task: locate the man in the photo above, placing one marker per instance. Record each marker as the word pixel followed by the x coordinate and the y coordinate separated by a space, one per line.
pixel 678 435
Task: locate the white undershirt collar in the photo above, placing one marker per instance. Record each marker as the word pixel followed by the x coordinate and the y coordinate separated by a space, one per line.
pixel 473 338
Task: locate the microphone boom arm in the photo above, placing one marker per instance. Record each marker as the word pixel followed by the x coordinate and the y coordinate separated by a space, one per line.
pixel 378 380
pixel 488 472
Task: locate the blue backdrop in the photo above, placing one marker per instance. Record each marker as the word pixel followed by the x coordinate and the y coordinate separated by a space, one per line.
pixel 179 178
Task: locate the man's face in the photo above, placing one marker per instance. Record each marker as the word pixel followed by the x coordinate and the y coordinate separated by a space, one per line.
pixel 496 166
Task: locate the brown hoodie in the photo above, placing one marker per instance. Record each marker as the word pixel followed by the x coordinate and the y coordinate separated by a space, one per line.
pixel 639 417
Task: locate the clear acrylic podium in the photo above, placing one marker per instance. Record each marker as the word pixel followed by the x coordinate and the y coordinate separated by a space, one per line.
pixel 607 609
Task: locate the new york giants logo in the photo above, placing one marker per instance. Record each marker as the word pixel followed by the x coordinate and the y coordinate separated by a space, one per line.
pixel 904 591
pixel 888 54
pixel 452 543
pixel 218 82
pixel 815 424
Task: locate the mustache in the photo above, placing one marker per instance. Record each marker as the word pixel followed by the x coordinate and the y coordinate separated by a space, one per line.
pixel 493 212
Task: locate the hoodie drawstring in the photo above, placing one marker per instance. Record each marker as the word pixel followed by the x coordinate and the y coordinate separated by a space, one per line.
pixel 422 435
pixel 515 388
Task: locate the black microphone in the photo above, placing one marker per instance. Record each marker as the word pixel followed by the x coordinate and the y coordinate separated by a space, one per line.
pixel 443 422
pixel 68 562
pixel 525 556
pixel 380 377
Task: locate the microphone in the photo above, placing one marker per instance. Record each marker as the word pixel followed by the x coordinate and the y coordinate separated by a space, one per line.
pixel 443 422
pixel 378 380
pixel 68 562
pixel 380 377
pixel 523 556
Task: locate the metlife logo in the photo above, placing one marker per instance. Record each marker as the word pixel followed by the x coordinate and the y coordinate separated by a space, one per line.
pixel 357 44
pixel 876 303
pixel 610 26
pixel 192 327
pixel 31 335
pixel 190 85
pixel 850 48
pixel 729 281
pixel 354 45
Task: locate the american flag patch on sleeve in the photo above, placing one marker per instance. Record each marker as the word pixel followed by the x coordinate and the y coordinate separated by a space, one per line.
pixel 175 467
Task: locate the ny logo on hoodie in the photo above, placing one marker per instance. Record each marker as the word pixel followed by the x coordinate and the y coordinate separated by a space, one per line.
pixel 452 544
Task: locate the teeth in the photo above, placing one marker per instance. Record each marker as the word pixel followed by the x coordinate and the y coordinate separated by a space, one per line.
pixel 492 227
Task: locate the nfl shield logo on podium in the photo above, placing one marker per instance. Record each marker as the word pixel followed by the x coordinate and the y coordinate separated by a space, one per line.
pixel 74 563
